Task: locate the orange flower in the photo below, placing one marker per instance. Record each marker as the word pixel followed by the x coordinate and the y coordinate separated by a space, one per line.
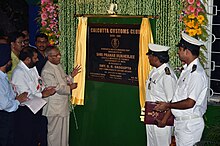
pixel 199 31
pixel 196 26
pixel 200 18
pixel 51 42
pixel 192 32
pixel 192 16
pixel 190 24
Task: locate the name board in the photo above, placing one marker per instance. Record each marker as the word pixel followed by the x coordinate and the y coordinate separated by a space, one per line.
pixel 112 53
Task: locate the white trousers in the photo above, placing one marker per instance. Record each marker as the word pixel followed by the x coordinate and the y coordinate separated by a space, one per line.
pixel 58 131
pixel 188 132
pixel 158 136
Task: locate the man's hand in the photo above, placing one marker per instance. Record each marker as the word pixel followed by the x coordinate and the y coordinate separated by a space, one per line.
pixel 160 123
pixel 76 70
pixel 161 106
pixel 73 86
pixel 48 91
pixel 22 97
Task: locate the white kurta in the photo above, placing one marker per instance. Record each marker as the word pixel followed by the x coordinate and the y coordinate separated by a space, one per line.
pixel 27 80
pixel 189 124
pixel 160 87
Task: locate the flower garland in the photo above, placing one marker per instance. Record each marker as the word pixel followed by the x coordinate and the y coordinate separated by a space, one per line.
pixel 49 21
pixel 194 18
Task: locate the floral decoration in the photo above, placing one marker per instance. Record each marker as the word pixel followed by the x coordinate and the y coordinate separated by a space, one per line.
pixel 49 21
pixel 194 18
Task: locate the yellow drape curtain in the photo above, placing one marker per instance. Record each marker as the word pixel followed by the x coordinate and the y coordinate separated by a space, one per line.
pixel 80 59
pixel 146 37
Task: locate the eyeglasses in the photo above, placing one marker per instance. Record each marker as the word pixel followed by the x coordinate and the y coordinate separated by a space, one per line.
pixel 55 55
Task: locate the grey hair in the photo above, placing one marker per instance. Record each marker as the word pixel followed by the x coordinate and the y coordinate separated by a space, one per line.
pixel 49 49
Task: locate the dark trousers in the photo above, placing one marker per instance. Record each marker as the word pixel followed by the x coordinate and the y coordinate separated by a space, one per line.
pixel 6 128
pixel 42 128
pixel 30 129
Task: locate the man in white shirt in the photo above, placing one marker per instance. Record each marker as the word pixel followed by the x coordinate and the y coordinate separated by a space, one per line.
pixel 9 102
pixel 26 79
pixel 160 86
pixel 189 101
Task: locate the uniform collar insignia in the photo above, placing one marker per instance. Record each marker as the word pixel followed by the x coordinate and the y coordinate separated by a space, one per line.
pixel 194 68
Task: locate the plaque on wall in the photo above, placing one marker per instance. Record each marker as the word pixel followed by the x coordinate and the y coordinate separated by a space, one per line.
pixel 112 53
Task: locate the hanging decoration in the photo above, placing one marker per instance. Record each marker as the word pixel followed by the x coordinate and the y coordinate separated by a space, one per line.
pixel 49 21
pixel 194 18
pixel 195 21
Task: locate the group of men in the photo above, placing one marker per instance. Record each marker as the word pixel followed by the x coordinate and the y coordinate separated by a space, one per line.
pixel 184 97
pixel 36 73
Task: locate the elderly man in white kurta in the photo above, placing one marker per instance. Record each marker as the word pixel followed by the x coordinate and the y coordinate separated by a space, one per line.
pixel 189 101
pixel 160 86
pixel 57 109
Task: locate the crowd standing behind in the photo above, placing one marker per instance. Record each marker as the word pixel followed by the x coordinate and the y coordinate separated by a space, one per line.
pixel 16 41
pixel 41 42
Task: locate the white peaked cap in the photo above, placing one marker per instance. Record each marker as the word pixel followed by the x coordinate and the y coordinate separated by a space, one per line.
pixel 191 40
pixel 158 48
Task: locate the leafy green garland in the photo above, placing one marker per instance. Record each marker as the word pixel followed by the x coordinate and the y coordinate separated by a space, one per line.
pixel 166 9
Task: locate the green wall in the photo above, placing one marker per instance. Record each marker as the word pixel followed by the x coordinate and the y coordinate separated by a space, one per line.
pixel 211 134
pixel 110 116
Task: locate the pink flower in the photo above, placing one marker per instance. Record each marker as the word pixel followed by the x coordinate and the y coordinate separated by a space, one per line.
pixel 51 22
pixel 199 9
pixel 51 26
pixel 43 10
pixel 186 12
pixel 198 3
pixel 44 16
pixel 181 18
pixel 44 1
pixel 43 23
pixel 191 2
pixel 191 8
pixel 50 16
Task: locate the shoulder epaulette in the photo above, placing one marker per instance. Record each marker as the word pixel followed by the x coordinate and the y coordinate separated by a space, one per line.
pixel 193 68
pixel 167 71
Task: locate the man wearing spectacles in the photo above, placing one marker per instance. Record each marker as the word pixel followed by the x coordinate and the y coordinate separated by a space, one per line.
pixel 57 109
pixel 16 41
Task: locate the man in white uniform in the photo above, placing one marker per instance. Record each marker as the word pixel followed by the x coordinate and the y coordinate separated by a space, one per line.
pixel 190 101
pixel 26 79
pixel 160 86
pixel 57 108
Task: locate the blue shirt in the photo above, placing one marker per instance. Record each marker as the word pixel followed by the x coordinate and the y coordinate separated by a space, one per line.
pixel 7 95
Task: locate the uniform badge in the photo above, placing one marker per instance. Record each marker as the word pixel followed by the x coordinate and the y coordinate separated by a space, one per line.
pixel 151 81
pixel 40 83
pixel 149 86
pixel 167 71
pixel 193 68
